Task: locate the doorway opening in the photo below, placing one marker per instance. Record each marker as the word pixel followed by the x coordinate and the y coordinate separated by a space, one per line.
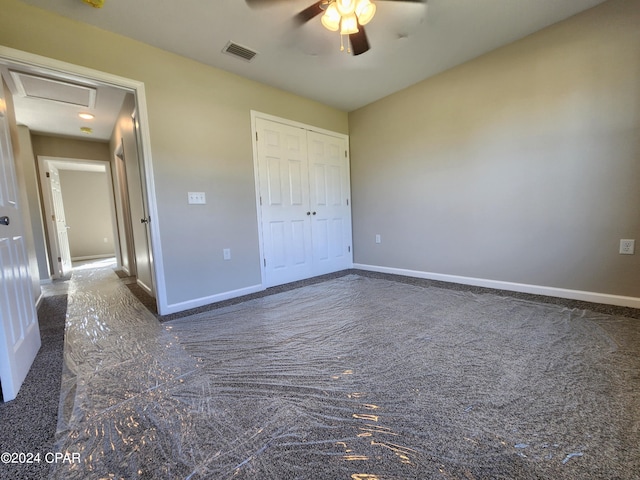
pixel 78 201
pixel 119 128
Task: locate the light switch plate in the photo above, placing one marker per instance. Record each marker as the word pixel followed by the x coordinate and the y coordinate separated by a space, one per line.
pixel 196 198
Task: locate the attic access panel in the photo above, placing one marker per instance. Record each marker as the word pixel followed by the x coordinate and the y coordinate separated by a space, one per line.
pixel 61 91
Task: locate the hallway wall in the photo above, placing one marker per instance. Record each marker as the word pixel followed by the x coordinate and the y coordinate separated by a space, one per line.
pixel 87 208
pixel 26 165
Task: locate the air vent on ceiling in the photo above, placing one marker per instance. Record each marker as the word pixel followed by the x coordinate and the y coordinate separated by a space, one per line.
pixel 239 51
pixel 53 89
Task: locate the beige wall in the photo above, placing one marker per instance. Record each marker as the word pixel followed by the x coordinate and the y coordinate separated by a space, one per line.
pixel 62 147
pixel 87 209
pixel 26 166
pixel 520 166
pixel 199 120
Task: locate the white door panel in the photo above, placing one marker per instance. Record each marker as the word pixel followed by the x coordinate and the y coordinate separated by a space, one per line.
pixel 141 218
pixel 284 193
pixel 55 219
pixel 329 168
pixel 60 222
pixel 303 179
pixel 19 332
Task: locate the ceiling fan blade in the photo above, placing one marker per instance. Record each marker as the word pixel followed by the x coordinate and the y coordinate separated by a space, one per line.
pixel 359 41
pixel 308 13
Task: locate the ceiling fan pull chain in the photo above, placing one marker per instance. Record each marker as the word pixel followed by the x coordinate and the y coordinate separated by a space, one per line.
pixel 342 43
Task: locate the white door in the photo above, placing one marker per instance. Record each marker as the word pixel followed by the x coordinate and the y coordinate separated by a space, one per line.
pixel 19 332
pixel 329 198
pixel 284 197
pixel 304 192
pixel 56 222
pixel 141 232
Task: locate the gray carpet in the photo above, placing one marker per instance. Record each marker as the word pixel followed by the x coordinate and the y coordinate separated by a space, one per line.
pixel 358 378
pixel 28 423
pixel 366 378
pixel 421 282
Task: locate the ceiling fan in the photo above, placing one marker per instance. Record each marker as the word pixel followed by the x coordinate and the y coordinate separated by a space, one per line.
pixel 346 16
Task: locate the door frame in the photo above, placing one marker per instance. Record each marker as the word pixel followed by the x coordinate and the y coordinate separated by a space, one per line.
pixel 42 165
pixel 122 191
pixel 138 89
pixel 254 140
pixel 150 289
pixel 55 251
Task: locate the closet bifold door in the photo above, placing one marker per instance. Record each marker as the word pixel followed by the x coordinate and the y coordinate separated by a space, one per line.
pixel 305 216
pixel 331 214
pixel 284 194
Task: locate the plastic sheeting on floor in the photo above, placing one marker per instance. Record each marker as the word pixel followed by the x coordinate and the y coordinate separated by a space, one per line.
pixel 354 378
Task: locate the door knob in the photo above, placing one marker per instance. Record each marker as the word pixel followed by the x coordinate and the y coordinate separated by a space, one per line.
pixel 308 213
pixel 145 220
pixel 314 213
pixel 4 221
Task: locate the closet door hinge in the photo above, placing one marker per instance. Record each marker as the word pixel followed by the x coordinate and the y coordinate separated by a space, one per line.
pixel 48 175
pixel 349 248
pixel 345 154
pixel 256 136
pixel 265 261
pixel 260 201
pixel 347 202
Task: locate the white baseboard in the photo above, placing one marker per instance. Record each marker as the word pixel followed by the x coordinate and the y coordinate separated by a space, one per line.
pixel 92 257
pixel 199 302
pixel 144 287
pixel 595 297
pixel 39 300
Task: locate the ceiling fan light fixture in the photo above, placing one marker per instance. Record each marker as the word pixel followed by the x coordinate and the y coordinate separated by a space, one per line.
pixel 331 18
pixel 346 7
pixel 349 24
pixel 347 16
pixel 365 10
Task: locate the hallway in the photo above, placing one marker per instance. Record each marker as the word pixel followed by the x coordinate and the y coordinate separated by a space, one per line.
pixel 122 373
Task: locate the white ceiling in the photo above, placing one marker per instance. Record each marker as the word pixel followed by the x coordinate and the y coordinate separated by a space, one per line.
pixel 409 41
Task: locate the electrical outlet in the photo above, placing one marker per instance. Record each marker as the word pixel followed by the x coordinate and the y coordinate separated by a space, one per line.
pixel 378 238
pixel 226 253
pixel 196 198
pixel 627 246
